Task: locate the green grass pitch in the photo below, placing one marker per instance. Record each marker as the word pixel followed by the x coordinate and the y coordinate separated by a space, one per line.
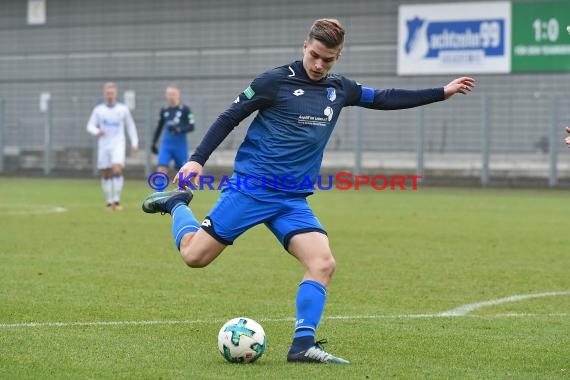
pixel 399 254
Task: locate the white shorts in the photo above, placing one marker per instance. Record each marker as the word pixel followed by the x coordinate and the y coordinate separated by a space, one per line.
pixel 110 154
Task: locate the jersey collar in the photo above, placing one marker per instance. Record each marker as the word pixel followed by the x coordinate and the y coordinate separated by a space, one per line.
pixel 298 67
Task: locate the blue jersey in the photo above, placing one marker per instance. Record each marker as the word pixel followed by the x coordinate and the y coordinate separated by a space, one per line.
pixel 174 123
pixel 296 118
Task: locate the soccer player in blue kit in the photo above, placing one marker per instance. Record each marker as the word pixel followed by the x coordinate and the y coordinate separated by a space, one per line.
pixel 175 121
pixel 298 106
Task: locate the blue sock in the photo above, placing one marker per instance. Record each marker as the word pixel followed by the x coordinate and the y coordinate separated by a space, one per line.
pixel 311 299
pixel 183 222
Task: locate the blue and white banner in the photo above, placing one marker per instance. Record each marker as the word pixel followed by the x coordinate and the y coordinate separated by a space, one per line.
pixel 456 38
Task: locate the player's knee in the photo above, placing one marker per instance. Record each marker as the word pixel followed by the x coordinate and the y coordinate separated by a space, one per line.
pixel 117 169
pixel 192 257
pixel 329 266
pixel 325 266
pixel 195 261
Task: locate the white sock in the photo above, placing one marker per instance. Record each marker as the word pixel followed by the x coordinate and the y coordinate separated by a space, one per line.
pixel 106 185
pixel 118 187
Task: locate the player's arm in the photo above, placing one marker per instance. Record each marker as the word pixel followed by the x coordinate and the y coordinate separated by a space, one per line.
pixel 132 130
pixel 93 125
pixel 258 95
pixel 157 132
pixel 186 123
pixel 395 99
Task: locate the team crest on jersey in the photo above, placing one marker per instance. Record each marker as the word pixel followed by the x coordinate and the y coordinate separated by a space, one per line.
pixel 331 94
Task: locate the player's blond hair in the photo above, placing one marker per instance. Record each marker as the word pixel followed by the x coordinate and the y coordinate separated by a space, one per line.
pixel 328 31
pixel 110 85
pixel 174 86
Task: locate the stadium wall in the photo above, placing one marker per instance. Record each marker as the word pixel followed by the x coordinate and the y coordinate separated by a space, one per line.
pixel 213 49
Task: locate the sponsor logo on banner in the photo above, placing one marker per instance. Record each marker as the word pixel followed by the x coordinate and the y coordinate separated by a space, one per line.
pixel 454 38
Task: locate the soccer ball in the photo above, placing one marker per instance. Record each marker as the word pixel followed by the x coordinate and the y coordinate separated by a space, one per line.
pixel 241 340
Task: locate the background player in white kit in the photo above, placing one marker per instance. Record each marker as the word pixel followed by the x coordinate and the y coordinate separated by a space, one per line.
pixel 107 122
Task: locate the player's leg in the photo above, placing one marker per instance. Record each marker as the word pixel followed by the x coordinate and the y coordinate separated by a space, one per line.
pixel 107 186
pixel 163 159
pixel 200 244
pixel 304 238
pixel 118 179
pixel 180 155
pixel 104 165
pixel 232 215
pixel 313 251
pixel 191 242
pixel 162 169
pixel 198 249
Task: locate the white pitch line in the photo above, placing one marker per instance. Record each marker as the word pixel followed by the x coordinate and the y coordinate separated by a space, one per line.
pixel 107 323
pixel 266 320
pixel 202 321
pixel 523 315
pixel 466 309
pixel 457 312
pixel 30 210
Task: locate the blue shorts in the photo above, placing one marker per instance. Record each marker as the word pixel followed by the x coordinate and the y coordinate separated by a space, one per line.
pixel 167 153
pixel 236 211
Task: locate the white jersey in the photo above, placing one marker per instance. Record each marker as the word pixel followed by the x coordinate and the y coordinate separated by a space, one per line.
pixel 112 121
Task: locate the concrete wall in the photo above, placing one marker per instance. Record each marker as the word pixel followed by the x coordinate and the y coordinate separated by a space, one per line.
pixel 213 49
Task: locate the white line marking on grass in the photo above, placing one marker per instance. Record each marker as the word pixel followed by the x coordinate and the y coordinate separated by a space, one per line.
pixel 466 309
pixel 457 312
pixel 265 320
pixel 106 323
pixel 202 321
pixel 125 323
pixel 387 316
pixel 523 315
pixel 29 210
